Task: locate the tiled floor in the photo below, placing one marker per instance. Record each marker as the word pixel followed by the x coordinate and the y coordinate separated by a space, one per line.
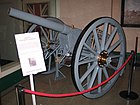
pixel 46 83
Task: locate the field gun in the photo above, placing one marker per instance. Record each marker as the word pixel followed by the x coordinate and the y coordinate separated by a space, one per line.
pixel 96 52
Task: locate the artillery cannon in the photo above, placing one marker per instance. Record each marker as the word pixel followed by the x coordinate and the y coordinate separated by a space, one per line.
pixel 97 51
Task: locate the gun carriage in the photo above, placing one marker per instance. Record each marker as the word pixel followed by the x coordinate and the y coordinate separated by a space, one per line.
pixel 96 52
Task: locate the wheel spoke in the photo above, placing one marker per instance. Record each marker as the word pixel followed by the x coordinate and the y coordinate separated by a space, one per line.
pixel 44 34
pixel 94 74
pixel 116 56
pixel 44 42
pixel 104 36
pixel 96 40
pixel 91 68
pixel 51 34
pixel 87 61
pixel 86 52
pixel 111 66
pixel 114 46
pixel 105 73
pixel 89 76
pixel 110 38
pixel 32 28
pixel 84 57
pixel 56 36
pixel 90 49
pixel 99 79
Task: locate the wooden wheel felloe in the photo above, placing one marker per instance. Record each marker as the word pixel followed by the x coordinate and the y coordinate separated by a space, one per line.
pixel 98 53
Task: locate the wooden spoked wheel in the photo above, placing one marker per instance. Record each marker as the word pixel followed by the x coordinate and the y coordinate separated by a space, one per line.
pixel 98 53
pixel 49 41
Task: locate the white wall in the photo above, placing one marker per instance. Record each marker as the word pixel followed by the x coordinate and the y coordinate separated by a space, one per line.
pixel 81 12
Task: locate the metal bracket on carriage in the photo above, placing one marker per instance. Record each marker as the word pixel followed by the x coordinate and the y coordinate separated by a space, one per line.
pixel 64 60
pixel 58 74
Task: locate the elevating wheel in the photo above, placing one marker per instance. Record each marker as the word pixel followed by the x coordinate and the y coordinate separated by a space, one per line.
pixel 98 53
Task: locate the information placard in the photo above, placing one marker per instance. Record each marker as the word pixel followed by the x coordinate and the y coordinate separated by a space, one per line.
pixel 30 53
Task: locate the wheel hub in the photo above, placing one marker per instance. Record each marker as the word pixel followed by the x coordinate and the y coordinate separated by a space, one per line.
pixel 102 58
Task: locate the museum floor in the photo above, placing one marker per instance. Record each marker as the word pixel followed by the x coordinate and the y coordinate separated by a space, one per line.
pixel 46 83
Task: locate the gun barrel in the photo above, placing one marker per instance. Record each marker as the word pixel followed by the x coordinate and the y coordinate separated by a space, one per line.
pixel 65 29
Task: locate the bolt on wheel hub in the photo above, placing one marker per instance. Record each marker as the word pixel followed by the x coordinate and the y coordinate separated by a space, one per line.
pixel 102 58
